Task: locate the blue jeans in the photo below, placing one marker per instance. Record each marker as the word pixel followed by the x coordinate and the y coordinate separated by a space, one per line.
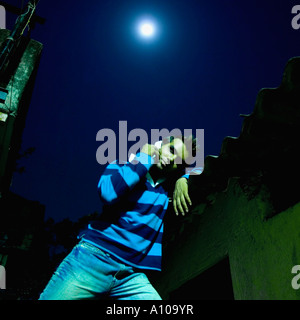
pixel 90 273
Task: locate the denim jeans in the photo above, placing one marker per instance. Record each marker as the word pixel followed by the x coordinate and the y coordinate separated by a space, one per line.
pixel 90 273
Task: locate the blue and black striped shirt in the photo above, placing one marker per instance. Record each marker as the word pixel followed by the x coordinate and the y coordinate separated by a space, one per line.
pixel 136 207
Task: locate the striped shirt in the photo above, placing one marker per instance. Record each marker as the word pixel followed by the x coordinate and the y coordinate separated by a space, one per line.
pixel 134 207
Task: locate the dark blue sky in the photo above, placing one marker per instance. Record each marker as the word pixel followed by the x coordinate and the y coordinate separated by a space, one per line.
pixel 203 70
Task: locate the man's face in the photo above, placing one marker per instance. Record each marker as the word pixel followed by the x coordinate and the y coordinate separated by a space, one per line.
pixel 171 155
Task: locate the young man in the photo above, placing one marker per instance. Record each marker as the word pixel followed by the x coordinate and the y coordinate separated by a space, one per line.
pixel 109 260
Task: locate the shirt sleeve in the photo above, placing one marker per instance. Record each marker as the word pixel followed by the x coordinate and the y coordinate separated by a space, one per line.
pixel 118 178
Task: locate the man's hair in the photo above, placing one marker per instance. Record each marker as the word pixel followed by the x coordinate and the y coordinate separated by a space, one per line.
pixel 190 142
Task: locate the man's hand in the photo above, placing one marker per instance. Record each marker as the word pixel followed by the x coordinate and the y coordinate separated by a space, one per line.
pixel 151 150
pixel 181 196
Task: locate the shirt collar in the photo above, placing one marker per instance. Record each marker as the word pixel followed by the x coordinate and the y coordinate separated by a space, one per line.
pixel 148 176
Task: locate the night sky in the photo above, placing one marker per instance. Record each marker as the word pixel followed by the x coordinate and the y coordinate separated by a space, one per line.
pixel 202 70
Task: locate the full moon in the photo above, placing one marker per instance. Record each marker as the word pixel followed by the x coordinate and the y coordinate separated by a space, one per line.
pixel 146 29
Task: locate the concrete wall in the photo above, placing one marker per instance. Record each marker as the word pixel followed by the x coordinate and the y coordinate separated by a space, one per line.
pixel 247 204
pixel 261 251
